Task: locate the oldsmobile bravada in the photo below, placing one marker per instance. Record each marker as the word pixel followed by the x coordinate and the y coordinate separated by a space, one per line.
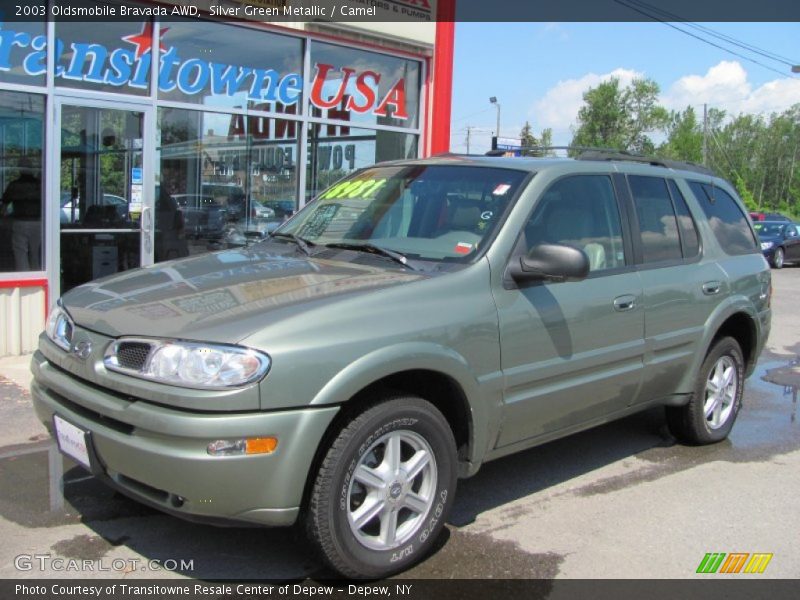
pixel 414 321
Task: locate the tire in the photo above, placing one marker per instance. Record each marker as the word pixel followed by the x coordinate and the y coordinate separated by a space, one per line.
pixel 365 548
pixel 690 423
pixel 778 258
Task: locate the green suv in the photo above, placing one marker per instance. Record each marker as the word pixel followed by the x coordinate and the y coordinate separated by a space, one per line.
pixel 414 321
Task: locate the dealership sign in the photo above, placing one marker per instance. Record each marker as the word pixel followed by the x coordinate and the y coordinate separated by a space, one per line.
pixel 121 67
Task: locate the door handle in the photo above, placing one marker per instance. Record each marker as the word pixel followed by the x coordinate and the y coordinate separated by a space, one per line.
pixel 625 303
pixel 711 287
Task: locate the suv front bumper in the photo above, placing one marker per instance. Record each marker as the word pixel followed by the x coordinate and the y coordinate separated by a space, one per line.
pixel 158 455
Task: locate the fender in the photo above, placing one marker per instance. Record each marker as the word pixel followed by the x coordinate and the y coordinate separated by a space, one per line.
pixel 726 309
pixel 484 395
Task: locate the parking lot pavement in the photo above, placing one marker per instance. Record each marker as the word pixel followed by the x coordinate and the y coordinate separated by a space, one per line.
pixel 622 500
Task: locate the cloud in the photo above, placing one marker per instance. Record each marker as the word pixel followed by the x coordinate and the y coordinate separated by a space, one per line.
pixel 558 108
pixel 554 30
pixel 725 83
pixel 726 86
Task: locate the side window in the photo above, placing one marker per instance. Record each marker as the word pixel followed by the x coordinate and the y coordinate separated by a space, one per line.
pixel 657 222
pixel 580 211
pixel 791 231
pixel 689 236
pixel 727 220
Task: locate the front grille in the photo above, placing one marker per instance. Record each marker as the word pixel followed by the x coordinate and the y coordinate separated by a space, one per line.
pixel 133 355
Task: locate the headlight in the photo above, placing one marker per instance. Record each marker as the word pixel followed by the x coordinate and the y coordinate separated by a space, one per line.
pixel 187 364
pixel 767 245
pixel 59 328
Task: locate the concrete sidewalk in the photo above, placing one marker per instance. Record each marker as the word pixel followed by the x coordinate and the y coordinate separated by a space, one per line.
pixel 17 369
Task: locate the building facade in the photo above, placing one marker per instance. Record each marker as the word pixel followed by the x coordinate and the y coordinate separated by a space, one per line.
pixel 112 160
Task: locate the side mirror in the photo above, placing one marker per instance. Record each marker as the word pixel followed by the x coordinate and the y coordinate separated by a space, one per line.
pixel 552 262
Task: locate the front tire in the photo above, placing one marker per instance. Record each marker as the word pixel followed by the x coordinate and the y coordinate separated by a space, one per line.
pixel 716 400
pixel 384 489
pixel 778 258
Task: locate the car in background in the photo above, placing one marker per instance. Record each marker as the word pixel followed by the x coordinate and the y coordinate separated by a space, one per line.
pixel 259 210
pixel 203 216
pixel 96 214
pixel 283 208
pixel 230 196
pixel 780 242
pixel 769 216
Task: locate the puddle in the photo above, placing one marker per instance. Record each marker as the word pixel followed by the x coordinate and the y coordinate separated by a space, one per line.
pixel 462 555
pixel 765 428
pixel 86 547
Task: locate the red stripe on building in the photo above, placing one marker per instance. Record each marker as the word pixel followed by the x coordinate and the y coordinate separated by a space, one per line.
pixel 442 77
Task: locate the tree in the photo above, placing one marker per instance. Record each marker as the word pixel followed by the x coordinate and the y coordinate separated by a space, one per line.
pixel 620 118
pixel 684 137
pixel 528 140
pixel 547 141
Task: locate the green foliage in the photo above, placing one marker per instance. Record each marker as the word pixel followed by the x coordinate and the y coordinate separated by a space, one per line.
pixel 760 155
pixel 620 118
pixel 685 137
pixel 529 141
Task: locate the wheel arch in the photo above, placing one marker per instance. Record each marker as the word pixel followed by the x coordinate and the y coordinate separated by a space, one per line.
pixel 735 319
pixel 435 374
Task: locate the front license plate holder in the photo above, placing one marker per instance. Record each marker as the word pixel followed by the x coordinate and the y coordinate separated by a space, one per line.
pixel 72 441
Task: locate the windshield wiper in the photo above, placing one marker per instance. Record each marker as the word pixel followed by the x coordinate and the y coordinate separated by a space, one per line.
pixel 397 257
pixel 304 245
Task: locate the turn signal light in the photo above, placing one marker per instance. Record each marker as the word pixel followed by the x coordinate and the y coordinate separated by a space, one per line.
pixel 258 445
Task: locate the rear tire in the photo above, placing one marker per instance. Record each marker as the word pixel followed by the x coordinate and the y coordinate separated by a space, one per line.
pixel 384 489
pixel 717 397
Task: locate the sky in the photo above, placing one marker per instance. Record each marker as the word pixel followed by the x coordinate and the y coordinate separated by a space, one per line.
pixel 539 72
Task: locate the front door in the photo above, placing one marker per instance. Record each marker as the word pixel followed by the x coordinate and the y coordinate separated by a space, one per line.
pixel 572 352
pixel 101 192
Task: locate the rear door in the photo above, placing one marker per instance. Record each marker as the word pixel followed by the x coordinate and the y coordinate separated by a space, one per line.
pixel 571 352
pixel 680 289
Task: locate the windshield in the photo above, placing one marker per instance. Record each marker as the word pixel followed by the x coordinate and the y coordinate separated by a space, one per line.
pixel 769 229
pixel 428 212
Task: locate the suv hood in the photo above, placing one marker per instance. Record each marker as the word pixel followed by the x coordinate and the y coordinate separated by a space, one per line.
pixel 224 296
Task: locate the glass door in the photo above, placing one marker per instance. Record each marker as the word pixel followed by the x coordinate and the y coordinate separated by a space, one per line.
pixel 104 204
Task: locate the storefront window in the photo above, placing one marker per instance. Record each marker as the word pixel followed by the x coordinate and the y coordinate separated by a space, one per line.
pixel 365 88
pixel 222 65
pixel 335 151
pixel 23 52
pixel 224 180
pixel 109 56
pixel 21 170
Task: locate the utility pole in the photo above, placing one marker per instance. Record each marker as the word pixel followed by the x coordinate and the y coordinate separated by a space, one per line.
pixel 469 132
pixel 705 135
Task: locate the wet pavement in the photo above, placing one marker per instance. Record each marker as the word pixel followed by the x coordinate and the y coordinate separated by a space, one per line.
pixel 601 503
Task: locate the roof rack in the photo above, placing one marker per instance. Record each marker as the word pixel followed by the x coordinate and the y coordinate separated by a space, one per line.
pixel 602 154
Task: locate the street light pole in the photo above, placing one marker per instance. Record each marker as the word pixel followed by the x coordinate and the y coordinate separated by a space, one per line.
pixel 494 101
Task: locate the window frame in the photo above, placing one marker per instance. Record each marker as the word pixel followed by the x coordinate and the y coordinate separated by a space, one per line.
pixel 636 234
pixel 700 246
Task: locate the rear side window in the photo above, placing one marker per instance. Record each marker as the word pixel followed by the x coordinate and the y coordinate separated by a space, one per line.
pixel 658 225
pixel 727 220
pixel 689 236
